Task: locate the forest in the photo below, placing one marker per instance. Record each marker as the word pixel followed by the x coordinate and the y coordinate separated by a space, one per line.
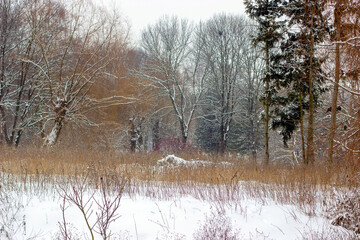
pixel 240 126
pixel 281 83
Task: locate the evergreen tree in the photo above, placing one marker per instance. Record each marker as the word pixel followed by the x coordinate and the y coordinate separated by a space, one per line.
pixel 267 14
pixel 298 71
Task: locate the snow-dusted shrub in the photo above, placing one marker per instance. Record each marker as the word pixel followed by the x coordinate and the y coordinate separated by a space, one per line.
pixel 217 226
pixel 346 212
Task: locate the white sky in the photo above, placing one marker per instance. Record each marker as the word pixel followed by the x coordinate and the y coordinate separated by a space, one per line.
pixel 140 13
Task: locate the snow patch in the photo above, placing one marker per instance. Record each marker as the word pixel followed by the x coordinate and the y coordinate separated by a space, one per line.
pixel 171 160
pixel 174 161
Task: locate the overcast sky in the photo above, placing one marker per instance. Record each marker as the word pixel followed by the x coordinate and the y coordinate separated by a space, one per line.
pixel 140 13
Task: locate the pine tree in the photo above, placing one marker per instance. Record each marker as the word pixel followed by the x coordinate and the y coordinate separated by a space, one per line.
pixel 290 76
pixel 270 30
pixel 298 71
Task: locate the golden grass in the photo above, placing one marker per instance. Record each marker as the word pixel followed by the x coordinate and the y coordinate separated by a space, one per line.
pixel 221 184
pixel 141 166
pixel 49 165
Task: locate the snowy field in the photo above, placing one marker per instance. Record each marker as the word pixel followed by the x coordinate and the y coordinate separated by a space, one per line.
pixel 181 218
pixel 155 211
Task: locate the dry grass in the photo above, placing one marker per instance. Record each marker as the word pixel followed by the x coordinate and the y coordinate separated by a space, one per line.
pixel 299 185
pixel 140 166
pixel 223 184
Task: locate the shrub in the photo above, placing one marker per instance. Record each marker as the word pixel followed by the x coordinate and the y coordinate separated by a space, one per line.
pixel 216 227
pixel 346 212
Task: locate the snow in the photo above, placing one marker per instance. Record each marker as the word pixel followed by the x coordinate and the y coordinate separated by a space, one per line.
pixel 164 211
pixel 174 161
pixel 171 160
pixel 181 217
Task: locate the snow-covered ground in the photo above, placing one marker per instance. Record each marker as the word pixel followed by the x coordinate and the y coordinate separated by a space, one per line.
pixel 181 218
pixel 31 214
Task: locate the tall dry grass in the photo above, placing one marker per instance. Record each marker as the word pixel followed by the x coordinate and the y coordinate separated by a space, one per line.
pixel 142 166
pixel 223 180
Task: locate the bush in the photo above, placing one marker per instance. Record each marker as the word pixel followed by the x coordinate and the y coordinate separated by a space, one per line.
pixel 216 227
pixel 346 212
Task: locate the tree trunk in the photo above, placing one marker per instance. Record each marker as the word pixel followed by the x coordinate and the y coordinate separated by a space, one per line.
pixel 336 85
pixel 302 127
pixel 17 138
pixel 310 136
pixel 133 137
pixel 53 136
pixel 253 140
pixel 156 133
pixel 222 145
pixel 267 104
pixel 354 110
pixel 3 124
pixel 184 133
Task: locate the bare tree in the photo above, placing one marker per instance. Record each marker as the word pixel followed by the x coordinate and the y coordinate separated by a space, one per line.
pixel 18 79
pixel 251 89
pixel 173 68
pixel 76 43
pixel 224 39
pixel 346 25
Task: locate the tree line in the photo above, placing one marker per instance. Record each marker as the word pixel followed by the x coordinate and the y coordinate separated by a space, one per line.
pixel 282 82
